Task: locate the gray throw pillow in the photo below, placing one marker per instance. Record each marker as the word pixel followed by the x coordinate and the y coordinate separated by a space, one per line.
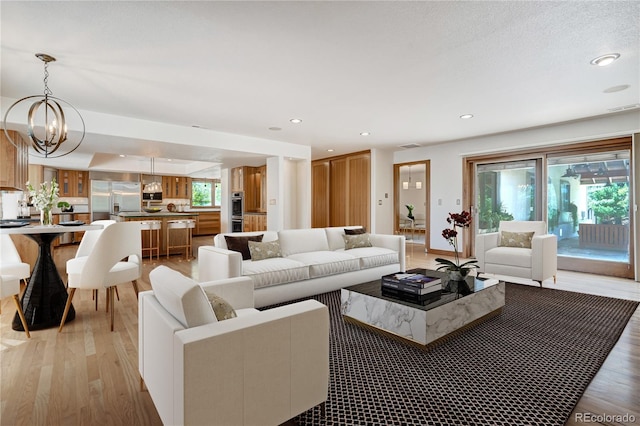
pixel 266 250
pixel 356 241
pixel 516 239
pixel 221 308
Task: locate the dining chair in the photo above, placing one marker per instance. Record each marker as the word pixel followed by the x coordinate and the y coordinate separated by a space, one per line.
pixel 104 267
pixel 88 242
pixel 10 261
pixel 10 286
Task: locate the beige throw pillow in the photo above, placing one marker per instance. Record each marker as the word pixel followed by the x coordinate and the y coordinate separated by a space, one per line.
pixel 266 250
pixel 516 239
pixel 356 241
pixel 221 308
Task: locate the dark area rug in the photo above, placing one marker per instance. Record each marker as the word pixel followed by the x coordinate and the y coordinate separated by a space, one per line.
pixel 528 366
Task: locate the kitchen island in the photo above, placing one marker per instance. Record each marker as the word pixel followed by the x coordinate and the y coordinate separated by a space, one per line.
pixel 177 238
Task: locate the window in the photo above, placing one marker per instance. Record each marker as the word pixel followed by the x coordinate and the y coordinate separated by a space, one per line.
pixel 206 193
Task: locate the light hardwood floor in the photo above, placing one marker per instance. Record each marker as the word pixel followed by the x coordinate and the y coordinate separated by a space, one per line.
pixel 89 375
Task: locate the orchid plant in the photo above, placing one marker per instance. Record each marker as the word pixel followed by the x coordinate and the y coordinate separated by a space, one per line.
pixel 457 220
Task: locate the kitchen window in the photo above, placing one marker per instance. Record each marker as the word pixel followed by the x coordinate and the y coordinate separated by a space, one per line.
pixel 206 193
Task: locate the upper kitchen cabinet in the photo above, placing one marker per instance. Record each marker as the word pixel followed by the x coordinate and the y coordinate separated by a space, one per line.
pixel 73 183
pixel 176 187
pixel 255 189
pixel 237 179
pixel 15 162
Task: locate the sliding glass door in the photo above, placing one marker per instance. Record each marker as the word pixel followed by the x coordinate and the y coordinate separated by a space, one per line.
pixel 583 192
pixel 590 215
pixel 506 191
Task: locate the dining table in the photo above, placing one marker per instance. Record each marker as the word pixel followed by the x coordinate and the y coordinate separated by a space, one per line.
pixel 45 296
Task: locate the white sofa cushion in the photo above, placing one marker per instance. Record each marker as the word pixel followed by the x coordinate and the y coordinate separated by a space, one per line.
pixel 181 297
pixel 294 241
pixel 323 263
pixel 277 270
pixel 510 256
pixel 372 257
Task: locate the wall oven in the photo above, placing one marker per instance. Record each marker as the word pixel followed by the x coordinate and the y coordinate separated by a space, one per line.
pixel 237 212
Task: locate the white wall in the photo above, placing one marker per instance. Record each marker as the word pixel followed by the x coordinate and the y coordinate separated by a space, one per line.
pixel 381 191
pixel 446 159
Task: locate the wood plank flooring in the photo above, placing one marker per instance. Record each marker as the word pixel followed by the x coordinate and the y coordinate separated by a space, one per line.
pixel 89 375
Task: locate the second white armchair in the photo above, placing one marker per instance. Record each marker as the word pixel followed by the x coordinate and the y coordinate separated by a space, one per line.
pixel 519 249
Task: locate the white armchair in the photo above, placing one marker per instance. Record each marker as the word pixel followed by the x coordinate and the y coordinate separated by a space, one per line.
pixel 527 252
pixel 260 368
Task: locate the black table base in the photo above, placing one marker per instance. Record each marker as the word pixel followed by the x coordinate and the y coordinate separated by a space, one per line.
pixel 46 295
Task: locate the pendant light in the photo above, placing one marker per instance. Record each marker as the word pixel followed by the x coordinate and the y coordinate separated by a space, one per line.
pixel 154 187
pixel 47 121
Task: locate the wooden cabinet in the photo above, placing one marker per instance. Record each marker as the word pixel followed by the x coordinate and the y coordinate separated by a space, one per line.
pixel 207 223
pixel 255 222
pixel 84 217
pixel 73 183
pixel 176 187
pixel 82 183
pixel 36 175
pixel 254 183
pixel 341 190
pixel 320 194
pixel 15 162
pixel 237 179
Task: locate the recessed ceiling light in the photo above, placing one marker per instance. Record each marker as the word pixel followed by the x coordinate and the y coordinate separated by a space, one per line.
pixel 169 159
pixel 604 60
pixel 275 129
pixel 295 120
pixel 616 88
pixel 197 126
pixel 330 150
pixel 122 155
pixel 365 134
pixel 466 116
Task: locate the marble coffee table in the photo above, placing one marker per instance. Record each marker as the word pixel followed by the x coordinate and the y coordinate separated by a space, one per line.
pixel 461 305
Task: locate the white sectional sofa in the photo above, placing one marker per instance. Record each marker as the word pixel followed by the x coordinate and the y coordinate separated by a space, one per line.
pixel 312 261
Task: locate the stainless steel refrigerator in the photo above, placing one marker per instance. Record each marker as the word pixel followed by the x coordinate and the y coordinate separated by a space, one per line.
pixel 113 197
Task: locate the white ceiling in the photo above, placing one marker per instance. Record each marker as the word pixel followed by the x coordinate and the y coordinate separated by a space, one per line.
pixel 403 71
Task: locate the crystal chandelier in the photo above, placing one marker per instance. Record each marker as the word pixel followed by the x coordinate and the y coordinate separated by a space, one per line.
pixel 46 120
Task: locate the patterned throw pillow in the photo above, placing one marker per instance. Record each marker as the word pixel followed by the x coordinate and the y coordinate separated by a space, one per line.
pixel 516 239
pixel 266 250
pixel 356 241
pixel 240 244
pixel 221 308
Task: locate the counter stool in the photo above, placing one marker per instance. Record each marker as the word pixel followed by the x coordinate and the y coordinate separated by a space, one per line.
pixel 182 226
pixel 154 244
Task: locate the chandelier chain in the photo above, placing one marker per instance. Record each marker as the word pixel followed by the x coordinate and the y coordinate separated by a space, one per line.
pixel 47 91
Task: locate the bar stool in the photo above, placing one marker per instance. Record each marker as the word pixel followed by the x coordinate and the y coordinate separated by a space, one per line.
pixel 151 226
pixel 180 226
pixel 191 224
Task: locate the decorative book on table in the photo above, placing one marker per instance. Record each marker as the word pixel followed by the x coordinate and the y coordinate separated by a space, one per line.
pixel 401 286
pixel 418 299
pixel 413 280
